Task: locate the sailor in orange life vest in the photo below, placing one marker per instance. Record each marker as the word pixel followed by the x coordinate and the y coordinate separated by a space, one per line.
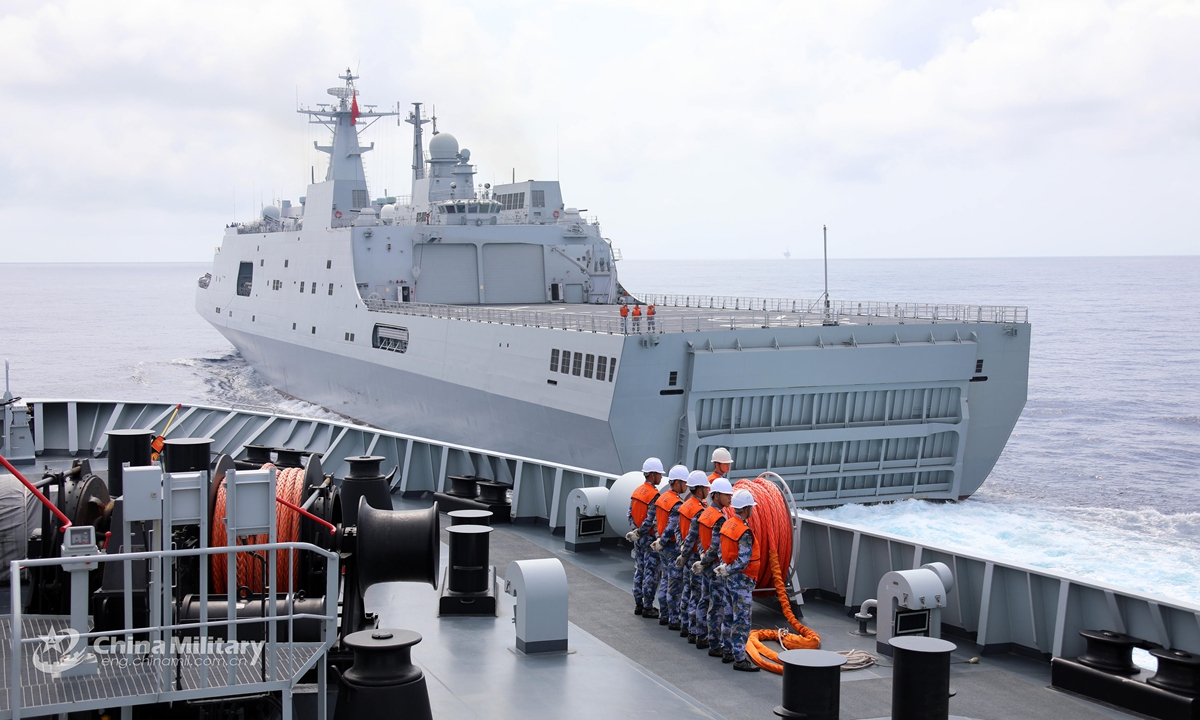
pixel 624 318
pixel 722 463
pixel 741 559
pixel 641 519
pixel 670 583
pixel 689 530
pixel 710 609
pixel 637 318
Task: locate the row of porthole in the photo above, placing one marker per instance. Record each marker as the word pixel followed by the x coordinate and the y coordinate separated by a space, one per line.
pixel 587 365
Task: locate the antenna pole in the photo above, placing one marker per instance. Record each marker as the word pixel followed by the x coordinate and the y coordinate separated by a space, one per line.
pixel 825 239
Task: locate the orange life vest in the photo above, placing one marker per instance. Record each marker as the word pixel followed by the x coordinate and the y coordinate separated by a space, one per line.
pixel 731 532
pixel 687 514
pixel 624 311
pixel 714 475
pixel 665 502
pixel 637 310
pixel 640 501
pixel 708 519
pixel 650 310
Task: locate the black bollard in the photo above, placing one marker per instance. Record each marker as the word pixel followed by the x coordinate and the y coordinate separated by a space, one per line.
pixel 289 458
pixel 470 517
pixel 1178 671
pixel 258 454
pixel 469 569
pixel 186 455
pixel 463 486
pixel 383 682
pixel 493 493
pixel 920 678
pixel 363 481
pixel 126 446
pixel 812 684
pixel 1109 651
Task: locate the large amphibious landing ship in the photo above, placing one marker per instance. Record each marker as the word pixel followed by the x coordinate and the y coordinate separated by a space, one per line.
pixel 490 316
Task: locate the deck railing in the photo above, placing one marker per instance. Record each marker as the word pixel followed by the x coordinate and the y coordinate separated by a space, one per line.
pixel 715 313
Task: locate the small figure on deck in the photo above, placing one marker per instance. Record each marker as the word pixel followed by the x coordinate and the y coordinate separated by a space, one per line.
pixel 641 519
pixel 670 584
pixel 741 560
pixel 624 318
pixel 637 318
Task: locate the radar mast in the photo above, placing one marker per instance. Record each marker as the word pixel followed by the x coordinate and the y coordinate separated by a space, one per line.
pixel 345 154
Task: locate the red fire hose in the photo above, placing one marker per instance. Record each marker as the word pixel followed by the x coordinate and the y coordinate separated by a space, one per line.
pixel 37 493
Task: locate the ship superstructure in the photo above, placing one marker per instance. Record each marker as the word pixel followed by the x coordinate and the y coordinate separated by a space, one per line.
pixel 489 316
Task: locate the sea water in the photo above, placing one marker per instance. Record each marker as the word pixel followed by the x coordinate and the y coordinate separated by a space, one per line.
pixel 1100 478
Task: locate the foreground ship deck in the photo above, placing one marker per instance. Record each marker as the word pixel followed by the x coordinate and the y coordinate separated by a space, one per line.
pixel 623 666
pixel 1014 618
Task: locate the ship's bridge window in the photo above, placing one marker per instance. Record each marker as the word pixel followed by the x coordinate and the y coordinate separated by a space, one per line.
pixel 443 209
pixel 473 207
pixel 462 208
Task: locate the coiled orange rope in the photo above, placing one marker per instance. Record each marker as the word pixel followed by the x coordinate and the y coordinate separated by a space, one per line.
pixel 289 485
pixel 771 525
pixel 804 637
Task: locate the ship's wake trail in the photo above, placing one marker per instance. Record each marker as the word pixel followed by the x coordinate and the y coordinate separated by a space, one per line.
pixel 229 381
pixel 1088 542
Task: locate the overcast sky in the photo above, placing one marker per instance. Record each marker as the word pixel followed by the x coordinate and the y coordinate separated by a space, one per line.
pixel 137 130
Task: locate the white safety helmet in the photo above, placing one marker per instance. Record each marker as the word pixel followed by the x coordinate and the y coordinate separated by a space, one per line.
pixel 741 499
pixel 722 455
pixel 678 472
pixel 652 465
pixel 721 485
pixel 697 478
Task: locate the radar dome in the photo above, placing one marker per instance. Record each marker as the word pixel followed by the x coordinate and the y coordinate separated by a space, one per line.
pixel 443 146
pixel 464 155
pixel 387 212
pixel 270 212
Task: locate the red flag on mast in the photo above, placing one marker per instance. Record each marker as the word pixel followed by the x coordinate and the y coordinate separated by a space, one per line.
pixel 354 110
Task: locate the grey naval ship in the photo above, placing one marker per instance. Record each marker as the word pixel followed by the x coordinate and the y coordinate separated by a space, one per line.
pixel 491 317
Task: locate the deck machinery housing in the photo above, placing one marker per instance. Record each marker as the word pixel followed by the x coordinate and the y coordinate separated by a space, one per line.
pixel 489 316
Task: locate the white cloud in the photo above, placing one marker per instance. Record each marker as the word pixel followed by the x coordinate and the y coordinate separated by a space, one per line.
pixel 698 129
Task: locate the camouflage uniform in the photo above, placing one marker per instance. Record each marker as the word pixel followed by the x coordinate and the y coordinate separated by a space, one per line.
pixel 693 593
pixel 736 624
pixel 670 583
pixel 711 608
pixel 645 564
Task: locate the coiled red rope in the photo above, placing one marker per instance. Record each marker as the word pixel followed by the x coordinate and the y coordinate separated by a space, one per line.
pixel 289 485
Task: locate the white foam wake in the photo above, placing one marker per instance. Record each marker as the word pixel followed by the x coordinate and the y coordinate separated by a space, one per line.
pixel 1142 550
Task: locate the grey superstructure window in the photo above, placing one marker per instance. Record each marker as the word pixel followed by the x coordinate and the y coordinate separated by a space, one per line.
pixel 314 288
pixel 566 362
pixel 537 198
pixel 512 201
pixel 601 367
pixel 330 288
pixel 588 363
pixel 673 380
pixel 301 287
pixel 612 368
pixel 577 365
pixel 553 361
pixel 390 337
